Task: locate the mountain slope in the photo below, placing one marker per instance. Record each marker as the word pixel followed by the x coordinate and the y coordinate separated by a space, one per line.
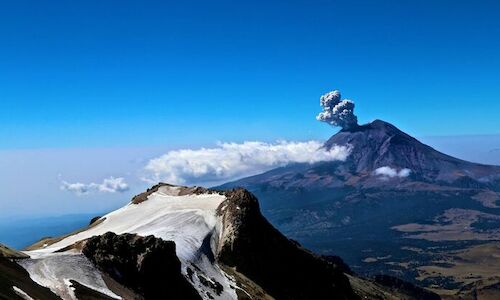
pixel 170 213
pixel 226 250
pixel 248 245
pixel 390 195
pixel 7 252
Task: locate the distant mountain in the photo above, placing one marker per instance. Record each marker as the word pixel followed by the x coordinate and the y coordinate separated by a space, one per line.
pixel 392 193
pixel 379 145
pixel 175 242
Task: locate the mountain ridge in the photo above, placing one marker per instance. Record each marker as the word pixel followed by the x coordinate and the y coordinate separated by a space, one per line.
pixel 209 231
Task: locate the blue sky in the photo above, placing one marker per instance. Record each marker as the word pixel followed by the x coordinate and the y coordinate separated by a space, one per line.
pixel 136 73
pixel 94 89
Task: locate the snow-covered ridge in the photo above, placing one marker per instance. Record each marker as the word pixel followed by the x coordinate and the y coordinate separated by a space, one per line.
pixel 186 216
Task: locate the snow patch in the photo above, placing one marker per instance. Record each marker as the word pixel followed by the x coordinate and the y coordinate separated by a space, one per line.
pixel 21 293
pixel 70 288
pixel 55 270
pixel 189 220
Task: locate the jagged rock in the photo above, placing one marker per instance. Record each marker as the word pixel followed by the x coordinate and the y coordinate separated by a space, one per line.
pixel 179 191
pixel 251 245
pixel 94 219
pixel 84 293
pixel 147 265
pixel 144 196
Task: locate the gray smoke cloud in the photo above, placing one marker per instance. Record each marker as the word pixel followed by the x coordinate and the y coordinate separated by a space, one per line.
pixel 337 112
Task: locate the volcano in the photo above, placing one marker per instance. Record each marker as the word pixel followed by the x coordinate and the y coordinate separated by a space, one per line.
pixel 379 150
pixel 380 144
pixel 388 203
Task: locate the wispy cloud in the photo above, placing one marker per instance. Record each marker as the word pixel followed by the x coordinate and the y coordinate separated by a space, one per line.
pixel 230 161
pixel 108 185
pixel 388 172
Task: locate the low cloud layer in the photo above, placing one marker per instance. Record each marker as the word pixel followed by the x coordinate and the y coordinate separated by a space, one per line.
pixel 388 172
pixel 108 185
pixel 337 112
pixel 229 161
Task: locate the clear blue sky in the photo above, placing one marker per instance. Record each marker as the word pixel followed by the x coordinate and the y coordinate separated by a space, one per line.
pixel 139 73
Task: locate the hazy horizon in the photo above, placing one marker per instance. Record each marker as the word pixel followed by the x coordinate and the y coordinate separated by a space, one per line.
pixel 40 172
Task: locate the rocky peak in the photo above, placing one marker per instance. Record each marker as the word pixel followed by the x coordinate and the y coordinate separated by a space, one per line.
pixel 250 245
pixel 172 190
pixel 147 265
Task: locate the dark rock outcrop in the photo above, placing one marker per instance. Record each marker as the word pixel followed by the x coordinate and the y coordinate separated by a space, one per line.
pixel 13 275
pixel 339 263
pixel 147 265
pixel 181 191
pixel 94 219
pixel 84 293
pixel 144 196
pixel 253 247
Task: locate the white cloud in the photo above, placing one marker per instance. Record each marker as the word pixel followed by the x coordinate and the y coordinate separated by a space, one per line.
pixel 389 172
pixel 229 161
pixel 108 185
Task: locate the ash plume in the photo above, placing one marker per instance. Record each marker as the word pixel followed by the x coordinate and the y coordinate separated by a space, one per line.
pixel 337 112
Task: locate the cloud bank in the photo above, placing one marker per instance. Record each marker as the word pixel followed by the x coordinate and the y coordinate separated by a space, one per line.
pixel 337 112
pixel 229 161
pixel 388 172
pixel 108 185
